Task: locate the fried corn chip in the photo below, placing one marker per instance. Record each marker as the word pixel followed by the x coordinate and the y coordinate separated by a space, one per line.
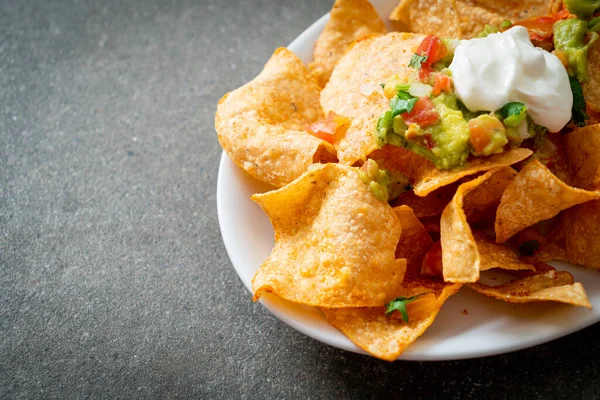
pixel 554 247
pixel 349 20
pixel 429 206
pixel 261 125
pixel 354 92
pixel 481 203
pixel 383 337
pixel 334 242
pixel 433 17
pixel 498 256
pixel 552 285
pixel 581 224
pixel 436 178
pixel 473 18
pixel 400 159
pixel 535 195
pixel 591 88
pixel 414 241
pixel 460 257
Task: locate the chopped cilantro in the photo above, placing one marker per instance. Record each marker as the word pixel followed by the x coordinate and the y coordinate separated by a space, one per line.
pixel 382 85
pixel 416 61
pixel 578 111
pixel 403 102
pixel 513 113
pixel 399 304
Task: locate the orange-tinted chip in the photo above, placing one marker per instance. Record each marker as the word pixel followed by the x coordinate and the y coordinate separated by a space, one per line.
pixel 334 242
pixel 354 92
pixel 414 241
pixel 548 286
pixel 498 256
pixel 349 20
pixel 261 125
pixel 535 195
pixel 591 88
pixel 384 337
pixel 433 17
pixel 581 150
pixel 436 178
pixel 431 205
pixel 481 203
pixel 474 18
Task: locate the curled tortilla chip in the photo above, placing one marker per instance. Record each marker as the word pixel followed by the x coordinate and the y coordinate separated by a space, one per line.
pixel 498 256
pixel 414 241
pixel 535 195
pixel 436 178
pixel 261 125
pixel 432 17
pixel 460 257
pixel 482 202
pixel 591 88
pixel 473 18
pixel 354 92
pixel 383 337
pixel 334 242
pixel 548 286
pixel 431 205
pixel 554 246
pixel 581 224
pixel 349 20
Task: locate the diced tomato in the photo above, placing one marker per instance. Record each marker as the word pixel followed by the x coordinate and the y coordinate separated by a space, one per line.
pixel 442 84
pixel 422 114
pixel 432 263
pixel 326 129
pixel 433 48
pixel 481 131
pixel 540 28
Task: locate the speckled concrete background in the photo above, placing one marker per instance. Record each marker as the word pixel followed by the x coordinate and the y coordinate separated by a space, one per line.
pixel 114 282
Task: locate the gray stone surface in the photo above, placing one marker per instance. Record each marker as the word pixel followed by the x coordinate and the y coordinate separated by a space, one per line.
pixel 114 282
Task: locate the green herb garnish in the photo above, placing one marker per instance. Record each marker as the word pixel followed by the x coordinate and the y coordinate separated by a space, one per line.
pixel 399 304
pixel 578 111
pixel 402 102
pixel 513 113
pixel 416 61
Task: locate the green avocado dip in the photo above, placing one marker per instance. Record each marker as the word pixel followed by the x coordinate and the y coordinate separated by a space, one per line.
pixel 385 185
pixel 574 38
pixel 582 8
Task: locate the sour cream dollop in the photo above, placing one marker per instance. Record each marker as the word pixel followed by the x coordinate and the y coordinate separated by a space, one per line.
pixel 503 67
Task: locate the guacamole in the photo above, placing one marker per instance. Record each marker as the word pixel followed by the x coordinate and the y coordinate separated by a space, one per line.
pixel 573 37
pixel 385 185
pixel 582 8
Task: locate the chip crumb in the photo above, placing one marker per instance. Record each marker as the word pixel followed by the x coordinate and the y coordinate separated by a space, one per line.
pixel 465 312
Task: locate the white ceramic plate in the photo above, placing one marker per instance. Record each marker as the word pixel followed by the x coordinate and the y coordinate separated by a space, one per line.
pixel 489 327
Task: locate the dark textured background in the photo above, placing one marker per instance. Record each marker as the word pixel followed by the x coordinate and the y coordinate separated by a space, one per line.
pixel 114 282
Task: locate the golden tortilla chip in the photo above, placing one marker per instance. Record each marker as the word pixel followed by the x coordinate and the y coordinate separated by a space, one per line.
pixel 436 178
pixel 460 257
pixel 431 205
pixel 354 92
pixel 535 195
pixel 531 9
pixel 349 20
pixel 414 241
pixel 334 242
pixel 261 125
pixel 481 203
pixel 400 159
pixel 474 18
pixel 383 337
pixel 548 286
pixel 498 256
pixel 554 247
pixel 581 224
pixel 432 17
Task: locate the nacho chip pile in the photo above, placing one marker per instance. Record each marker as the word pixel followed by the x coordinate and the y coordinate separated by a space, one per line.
pixel 375 236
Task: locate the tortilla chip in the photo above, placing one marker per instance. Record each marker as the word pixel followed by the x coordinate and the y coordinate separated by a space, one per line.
pixel 481 203
pixel 369 62
pixel 334 242
pixel 498 256
pixel 383 337
pixel 400 159
pixel 581 224
pixel 261 125
pixel 414 241
pixel 349 20
pixel 460 257
pixel 431 205
pixel 474 18
pixel 581 150
pixel 436 178
pixel 432 17
pixel 591 88
pixel 554 247
pixel 531 9
pixel 549 286
pixel 535 195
